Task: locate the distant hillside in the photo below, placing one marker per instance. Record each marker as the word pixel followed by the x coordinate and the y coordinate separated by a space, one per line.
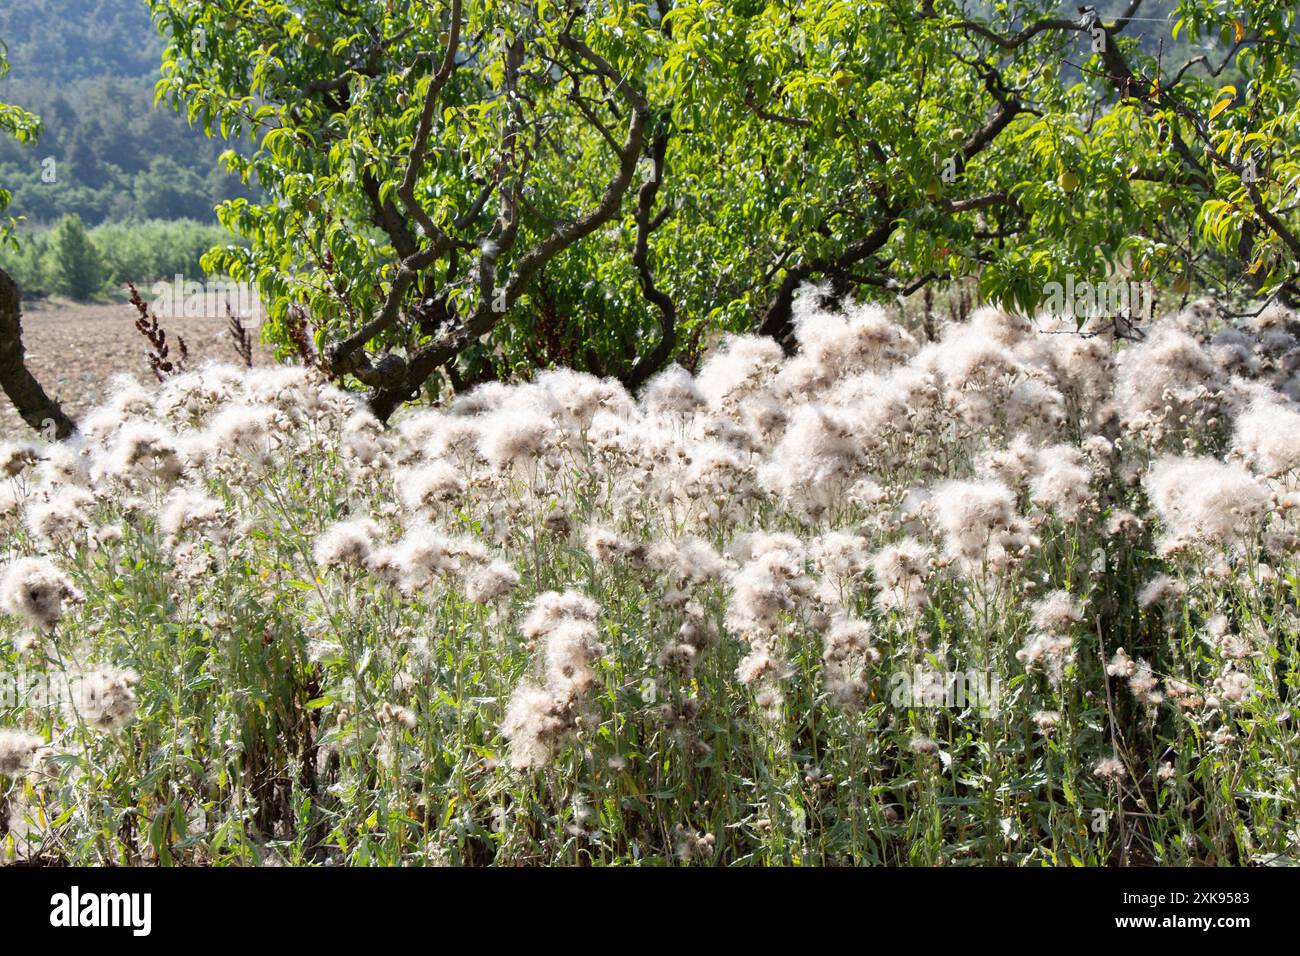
pixel 87 68
pixel 62 41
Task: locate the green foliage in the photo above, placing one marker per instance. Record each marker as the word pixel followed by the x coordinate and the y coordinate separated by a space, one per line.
pixel 105 152
pixel 138 252
pixel 60 42
pixel 152 250
pixel 107 155
pixel 874 147
pixel 24 127
pixel 73 264
pixel 25 262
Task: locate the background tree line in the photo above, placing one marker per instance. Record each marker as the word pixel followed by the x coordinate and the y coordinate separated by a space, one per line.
pixel 69 259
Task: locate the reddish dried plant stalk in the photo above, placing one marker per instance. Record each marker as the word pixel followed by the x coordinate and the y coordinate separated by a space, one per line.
pixel 243 344
pixel 159 354
pixel 297 327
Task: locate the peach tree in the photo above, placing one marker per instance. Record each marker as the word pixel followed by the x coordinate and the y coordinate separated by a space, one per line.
pixel 461 189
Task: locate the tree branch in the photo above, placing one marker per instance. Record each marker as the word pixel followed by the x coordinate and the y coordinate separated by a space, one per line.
pixel 386 398
pixel 650 363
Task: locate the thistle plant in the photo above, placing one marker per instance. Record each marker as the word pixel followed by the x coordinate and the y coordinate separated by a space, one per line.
pixel 1017 594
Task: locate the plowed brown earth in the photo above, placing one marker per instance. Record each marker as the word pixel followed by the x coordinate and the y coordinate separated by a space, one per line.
pixel 75 351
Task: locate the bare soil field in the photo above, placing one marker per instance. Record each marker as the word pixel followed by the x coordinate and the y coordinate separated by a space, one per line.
pixel 76 350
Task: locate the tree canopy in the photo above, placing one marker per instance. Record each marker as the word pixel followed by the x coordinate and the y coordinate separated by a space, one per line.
pixel 475 186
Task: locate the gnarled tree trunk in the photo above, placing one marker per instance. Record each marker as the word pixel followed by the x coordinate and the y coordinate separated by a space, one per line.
pixel 37 409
